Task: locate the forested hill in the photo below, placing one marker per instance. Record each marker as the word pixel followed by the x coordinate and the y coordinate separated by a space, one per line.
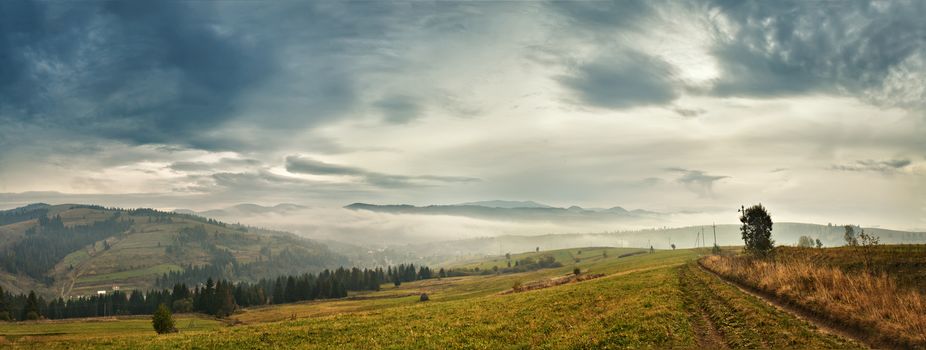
pixel 70 250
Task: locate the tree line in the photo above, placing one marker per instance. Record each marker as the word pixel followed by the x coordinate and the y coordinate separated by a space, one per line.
pixel 18 215
pixel 214 297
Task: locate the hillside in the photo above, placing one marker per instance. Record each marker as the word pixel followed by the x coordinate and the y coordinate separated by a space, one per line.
pixel 69 250
pixel 650 300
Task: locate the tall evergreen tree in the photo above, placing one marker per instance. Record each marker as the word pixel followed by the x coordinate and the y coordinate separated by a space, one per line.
pixel 4 308
pixel 31 311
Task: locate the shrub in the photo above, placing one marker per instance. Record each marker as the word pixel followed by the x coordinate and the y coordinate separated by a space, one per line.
pixel 163 321
pixel 576 271
pixel 424 297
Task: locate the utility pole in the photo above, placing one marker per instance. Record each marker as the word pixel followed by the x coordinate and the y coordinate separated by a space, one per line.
pixel 702 237
pixel 714 225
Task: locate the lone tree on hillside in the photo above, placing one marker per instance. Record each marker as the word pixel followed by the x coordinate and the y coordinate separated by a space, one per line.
pixel 757 230
pixel 819 244
pixel 163 321
pixel 867 243
pixel 805 242
pixel 851 239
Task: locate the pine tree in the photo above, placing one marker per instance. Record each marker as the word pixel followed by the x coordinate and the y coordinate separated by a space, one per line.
pixel 31 311
pixel 278 296
pixel 4 309
pixel 162 320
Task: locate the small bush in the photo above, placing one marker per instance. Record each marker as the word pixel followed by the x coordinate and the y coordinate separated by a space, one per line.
pixel 424 297
pixel 576 271
pixel 163 321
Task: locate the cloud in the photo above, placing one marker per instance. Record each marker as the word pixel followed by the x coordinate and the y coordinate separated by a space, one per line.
pixel 883 166
pixel 689 112
pixel 303 165
pixel 623 80
pixel 140 72
pixel 603 14
pixel 787 48
pixel 399 109
pixel 697 180
pixel 221 164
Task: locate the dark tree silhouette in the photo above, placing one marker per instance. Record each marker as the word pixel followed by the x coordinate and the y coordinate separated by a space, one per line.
pixel 757 230
pixel 850 237
pixel 31 311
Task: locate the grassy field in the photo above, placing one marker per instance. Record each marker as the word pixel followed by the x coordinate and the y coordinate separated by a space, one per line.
pixel 828 283
pixel 905 263
pixel 156 270
pixel 37 334
pixel 658 300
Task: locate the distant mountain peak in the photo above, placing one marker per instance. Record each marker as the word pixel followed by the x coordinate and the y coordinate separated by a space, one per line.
pixel 507 204
pixel 517 212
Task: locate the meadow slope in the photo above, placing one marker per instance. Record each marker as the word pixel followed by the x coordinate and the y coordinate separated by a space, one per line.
pixel 658 300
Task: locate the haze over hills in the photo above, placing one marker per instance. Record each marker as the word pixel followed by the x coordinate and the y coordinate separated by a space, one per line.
pixel 245 210
pixel 380 234
pixel 512 211
pixel 507 204
pixel 784 233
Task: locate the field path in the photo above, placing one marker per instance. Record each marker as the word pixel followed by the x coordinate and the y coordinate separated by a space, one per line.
pixel 818 322
pixel 643 269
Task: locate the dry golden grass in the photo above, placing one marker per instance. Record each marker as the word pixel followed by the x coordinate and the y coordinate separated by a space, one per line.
pixel 871 305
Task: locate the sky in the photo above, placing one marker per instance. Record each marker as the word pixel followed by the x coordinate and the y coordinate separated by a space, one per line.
pixel 816 109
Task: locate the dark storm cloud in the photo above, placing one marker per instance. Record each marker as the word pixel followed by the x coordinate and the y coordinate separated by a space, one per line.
pixel 168 72
pixel 619 77
pixel 623 80
pixel 794 47
pixel 303 165
pixel 141 72
pixel 606 14
pixel 883 166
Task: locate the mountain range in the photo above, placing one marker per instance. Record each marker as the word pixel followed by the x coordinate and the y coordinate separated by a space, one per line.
pixel 515 211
